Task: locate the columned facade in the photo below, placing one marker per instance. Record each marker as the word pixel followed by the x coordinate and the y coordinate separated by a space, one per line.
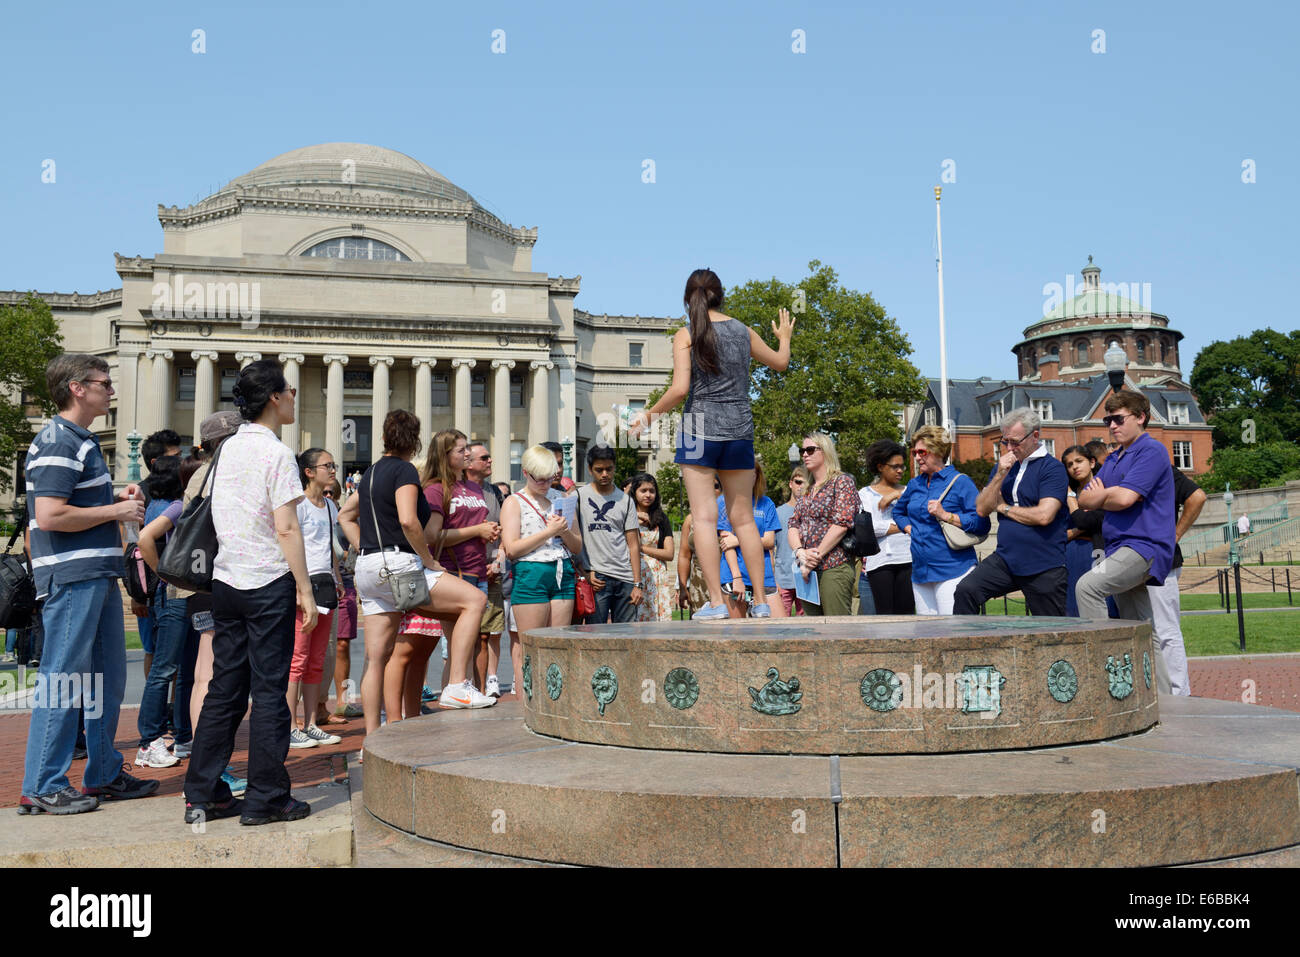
pixel 289 434
pixel 423 366
pixel 378 403
pixel 333 437
pixel 204 400
pixel 500 444
pixel 539 424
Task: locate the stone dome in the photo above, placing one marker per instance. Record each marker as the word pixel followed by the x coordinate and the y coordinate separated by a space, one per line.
pixel 352 165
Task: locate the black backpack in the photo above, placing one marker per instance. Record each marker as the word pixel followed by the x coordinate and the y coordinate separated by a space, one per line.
pixel 17 587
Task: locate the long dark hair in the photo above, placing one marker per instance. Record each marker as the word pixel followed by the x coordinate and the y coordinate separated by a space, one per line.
pixel 655 511
pixel 1078 450
pixel 703 292
pixel 257 383
pixel 307 460
pixel 164 481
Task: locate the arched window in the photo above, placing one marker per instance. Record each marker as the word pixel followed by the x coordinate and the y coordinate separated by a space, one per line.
pixel 356 247
pixel 1056 352
pixel 1081 352
pixel 1141 350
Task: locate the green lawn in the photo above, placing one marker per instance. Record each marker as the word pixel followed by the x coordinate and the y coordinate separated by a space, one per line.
pixel 133 640
pixel 1265 599
pixel 1265 633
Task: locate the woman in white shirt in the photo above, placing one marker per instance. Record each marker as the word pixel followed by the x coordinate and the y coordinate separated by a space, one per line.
pixel 317 516
pixel 888 572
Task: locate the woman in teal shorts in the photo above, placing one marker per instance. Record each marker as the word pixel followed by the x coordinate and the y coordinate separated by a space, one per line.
pixel 538 541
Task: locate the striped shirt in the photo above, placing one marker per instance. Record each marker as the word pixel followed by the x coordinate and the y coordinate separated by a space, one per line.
pixel 66 462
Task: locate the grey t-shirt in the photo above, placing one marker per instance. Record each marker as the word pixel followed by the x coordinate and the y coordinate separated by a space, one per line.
pixel 718 409
pixel 604 520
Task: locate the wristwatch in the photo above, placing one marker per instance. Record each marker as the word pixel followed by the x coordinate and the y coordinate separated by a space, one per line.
pixel 636 584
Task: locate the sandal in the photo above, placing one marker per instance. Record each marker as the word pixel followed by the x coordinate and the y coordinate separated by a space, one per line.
pixel 330 718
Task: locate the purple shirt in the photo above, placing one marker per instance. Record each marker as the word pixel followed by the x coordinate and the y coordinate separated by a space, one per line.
pixel 1147 526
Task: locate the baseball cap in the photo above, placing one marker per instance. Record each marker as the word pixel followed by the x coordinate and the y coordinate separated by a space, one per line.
pixel 220 425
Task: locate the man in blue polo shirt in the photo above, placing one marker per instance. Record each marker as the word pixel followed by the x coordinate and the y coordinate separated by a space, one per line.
pixel 1136 490
pixel 1028 491
pixel 77 561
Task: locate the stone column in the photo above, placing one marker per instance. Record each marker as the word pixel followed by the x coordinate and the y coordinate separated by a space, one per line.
pixel 501 419
pixel 378 404
pixel 125 383
pixel 424 398
pixel 539 410
pixel 333 437
pixel 163 393
pixel 291 434
pixel 462 393
pixel 244 358
pixel 205 402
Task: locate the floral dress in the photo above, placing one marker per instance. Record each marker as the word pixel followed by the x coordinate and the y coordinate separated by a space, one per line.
pixel 660 584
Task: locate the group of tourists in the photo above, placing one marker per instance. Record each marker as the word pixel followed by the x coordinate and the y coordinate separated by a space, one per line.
pixel 438 558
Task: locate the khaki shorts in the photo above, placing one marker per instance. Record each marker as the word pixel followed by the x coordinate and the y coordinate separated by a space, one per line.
pixel 494 615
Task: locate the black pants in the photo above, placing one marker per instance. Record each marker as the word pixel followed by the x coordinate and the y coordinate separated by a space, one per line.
pixel 1044 593
pixel 251 649
pixel 891 587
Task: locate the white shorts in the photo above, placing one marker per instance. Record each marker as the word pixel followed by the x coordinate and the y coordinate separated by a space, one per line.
pixel 373 593
pixel 510 616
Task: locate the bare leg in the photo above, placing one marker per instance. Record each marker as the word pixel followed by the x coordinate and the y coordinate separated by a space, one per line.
pixel 342 673
pixel 459 605
pixel 704 519
pixel 381 633
pixel 202 675
pixel 738 490
pixel 395 675
pixel 481 661
pixel 413 687
pixel 291 695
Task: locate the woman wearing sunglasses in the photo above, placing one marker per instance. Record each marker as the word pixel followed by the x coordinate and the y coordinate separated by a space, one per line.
pixel 820 521
pixel 711 358
pixel 539 543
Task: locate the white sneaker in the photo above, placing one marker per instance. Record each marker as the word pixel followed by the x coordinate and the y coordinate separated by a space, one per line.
pixel 464 695
pixel 319 736
pixel 156 756
pixel 297 739
pixel 493 687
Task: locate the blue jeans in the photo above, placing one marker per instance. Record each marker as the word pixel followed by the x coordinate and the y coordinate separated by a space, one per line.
pixel 866 600
pixel 612 602
pixel 171 627
pixel 83 636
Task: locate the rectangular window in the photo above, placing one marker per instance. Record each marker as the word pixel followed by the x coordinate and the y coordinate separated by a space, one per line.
pixel 516 455
pixel 1043 407
pixel 1050 445
pixel 1178 413
pixel 1183 456
pixel 228 379
pixel 441 387
pixel 995 413
pixel 931 415
pixel 516 392
pixel 185 385
pixel 634 354
pixel 478 390
pixel 358 379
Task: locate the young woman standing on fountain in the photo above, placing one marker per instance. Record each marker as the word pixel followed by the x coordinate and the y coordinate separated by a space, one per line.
pixel 711 364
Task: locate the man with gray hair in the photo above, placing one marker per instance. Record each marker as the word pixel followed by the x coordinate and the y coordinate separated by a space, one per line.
pixel 1028 491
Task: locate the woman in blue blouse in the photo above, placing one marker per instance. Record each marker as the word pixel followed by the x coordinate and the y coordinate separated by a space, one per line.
pixel 937 568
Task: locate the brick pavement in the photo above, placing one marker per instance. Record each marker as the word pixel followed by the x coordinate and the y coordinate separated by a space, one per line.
pixel 307 767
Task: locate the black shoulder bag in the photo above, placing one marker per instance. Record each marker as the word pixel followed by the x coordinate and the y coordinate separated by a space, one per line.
pixel 187 560
pixel 17 586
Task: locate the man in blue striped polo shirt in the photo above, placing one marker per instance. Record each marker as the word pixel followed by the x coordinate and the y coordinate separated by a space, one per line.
pixel 77 560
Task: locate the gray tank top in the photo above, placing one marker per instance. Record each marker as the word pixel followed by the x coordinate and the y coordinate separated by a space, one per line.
pixel 718 408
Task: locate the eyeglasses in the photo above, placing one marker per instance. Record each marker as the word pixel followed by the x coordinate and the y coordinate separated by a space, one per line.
pixel 921 453
pixel 809 450
pixel 1116 419
pixel 533 478
pixel 1013 443
pixel 106 383
pixel 326 465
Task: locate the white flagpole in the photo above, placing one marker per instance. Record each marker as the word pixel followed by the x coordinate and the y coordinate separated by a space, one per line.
pixel 943 348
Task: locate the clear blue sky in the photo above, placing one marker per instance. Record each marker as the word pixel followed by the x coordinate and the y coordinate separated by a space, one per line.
pixel 764 158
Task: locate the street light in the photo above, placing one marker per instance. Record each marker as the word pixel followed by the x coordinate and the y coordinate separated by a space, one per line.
pixel 133 440
pixel 1116 362
pixel 1234 559
pixel 793 453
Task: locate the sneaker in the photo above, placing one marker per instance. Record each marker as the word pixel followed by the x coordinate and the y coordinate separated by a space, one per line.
pixel 493 689
pixel 352 711
pixel 212 812
pixel 464 695
pixel 78 754
pixel 428 694
pixel 299 739
pixel 293 810
pixel 155 756
pixel 319 736
pixel 183 750
pixel 761 611
pixel 66 801
pixel 124 787
pixel 710 612
pixel 237 785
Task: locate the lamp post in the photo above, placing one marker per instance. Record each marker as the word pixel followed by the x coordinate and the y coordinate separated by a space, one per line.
pixel 567 445
pixel 133 440
pixel 793 453
pixel 1234 558
pixel 1116 362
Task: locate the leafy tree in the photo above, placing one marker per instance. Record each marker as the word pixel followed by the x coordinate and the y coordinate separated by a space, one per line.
pixel 848 376
pixel 1253 377
pixel 29 339
pixel 672 493
pixel 980 470
pixel 1255 466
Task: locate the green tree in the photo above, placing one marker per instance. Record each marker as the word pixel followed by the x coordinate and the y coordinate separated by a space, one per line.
pixel 849 369
pixel 1255 466
pixel 1255 377
pixel 672 493
pixel 980 470
pixel 29 339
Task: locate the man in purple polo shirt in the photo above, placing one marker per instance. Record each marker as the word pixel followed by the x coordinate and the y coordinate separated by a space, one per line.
pixel 1136 490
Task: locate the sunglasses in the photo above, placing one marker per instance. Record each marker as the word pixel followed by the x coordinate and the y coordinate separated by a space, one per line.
pixel 1116 419
pixel 809 450
pixel 796 481
pixel 921 453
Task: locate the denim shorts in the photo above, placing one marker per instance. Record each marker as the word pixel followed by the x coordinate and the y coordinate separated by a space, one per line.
pixel 733 455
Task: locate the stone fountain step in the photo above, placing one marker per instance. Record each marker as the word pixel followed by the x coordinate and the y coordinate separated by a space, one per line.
pixel 1214 780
